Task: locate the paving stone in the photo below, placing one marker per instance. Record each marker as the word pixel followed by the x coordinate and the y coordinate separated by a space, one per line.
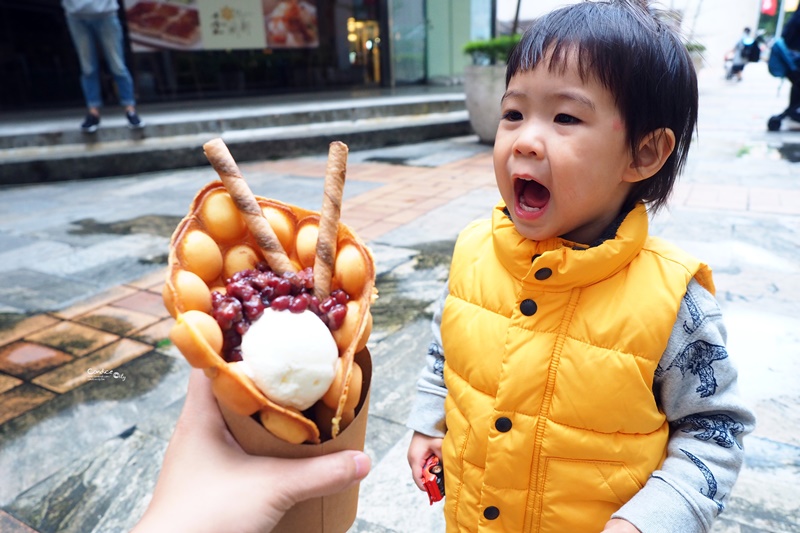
pixel 145 302
pixel 7 383
pixel 156 335
pixel 397 363
pixel 75 339
pixel 16 327
pixel 107 489
pixel 95 301
pixel 89 260
pixel 30 291
pixel 9 243
pixel 9 524
pixel 37 444
pixel 20 400
pixel 100 366
pixel 153 281
pixel 118 320
pixel 445 222
pixel 26 359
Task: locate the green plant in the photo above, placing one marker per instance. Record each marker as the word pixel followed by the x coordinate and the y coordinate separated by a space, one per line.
pixel 490 51
pixel 694 46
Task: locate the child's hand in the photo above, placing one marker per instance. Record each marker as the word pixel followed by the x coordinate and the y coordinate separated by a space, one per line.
pixel 617 525
pixel 422 447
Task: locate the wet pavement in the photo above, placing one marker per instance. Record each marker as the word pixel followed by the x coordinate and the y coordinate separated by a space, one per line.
pixel 82 266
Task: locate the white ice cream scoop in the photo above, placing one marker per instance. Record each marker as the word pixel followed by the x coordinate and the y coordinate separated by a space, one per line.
pixel 291 357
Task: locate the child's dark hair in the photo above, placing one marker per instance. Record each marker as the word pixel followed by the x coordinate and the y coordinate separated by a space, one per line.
pixel 639 58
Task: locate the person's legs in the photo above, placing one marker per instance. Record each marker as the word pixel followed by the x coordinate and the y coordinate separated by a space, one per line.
pixel 794 95
pixel 109 32
pixel 81 33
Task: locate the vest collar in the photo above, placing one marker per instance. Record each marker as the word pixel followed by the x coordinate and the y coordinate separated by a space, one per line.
pixel 571 264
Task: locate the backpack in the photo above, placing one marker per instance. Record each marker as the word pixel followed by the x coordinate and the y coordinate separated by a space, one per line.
pixel 781 59
pixel 751 52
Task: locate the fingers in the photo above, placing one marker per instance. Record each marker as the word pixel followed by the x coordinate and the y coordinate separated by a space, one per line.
pixel 200 410
pixel 200 399
pixel 416 475
pixel 420 448
pixel 302 479
pixel 199 395
pixel 416 462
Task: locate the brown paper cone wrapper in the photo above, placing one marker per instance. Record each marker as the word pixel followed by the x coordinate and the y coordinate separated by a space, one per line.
pixel 329 514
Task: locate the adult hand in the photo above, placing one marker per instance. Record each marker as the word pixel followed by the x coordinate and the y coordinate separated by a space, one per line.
pixel 208 483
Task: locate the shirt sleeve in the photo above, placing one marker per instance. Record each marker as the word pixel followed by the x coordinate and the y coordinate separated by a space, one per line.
pixel 427 411
pixel 696 387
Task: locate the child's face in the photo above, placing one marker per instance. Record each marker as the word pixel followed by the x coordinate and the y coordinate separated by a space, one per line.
pixel 561 156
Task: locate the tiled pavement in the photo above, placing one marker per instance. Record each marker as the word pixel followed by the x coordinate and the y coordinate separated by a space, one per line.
pixel 80 451
pixel 105 357
pixel 48 354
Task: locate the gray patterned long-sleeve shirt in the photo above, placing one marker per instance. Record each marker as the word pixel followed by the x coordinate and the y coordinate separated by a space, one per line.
pixel 695 386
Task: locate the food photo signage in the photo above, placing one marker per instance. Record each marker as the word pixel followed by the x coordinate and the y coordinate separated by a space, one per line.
pixel 221 24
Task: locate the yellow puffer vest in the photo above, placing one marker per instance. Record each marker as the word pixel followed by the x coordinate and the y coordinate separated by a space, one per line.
pixel 551 419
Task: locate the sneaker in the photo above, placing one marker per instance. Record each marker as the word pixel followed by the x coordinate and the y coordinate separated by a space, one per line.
pixel 134 122
pixel 90 123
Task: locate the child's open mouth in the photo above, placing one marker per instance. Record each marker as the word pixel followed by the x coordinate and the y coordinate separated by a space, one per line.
pixel 531 196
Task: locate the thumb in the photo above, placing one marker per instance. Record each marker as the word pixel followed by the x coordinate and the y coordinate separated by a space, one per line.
pixel 324 475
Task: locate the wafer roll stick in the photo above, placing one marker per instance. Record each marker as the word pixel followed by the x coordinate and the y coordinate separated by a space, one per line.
pixel 329 219
pixel 221 159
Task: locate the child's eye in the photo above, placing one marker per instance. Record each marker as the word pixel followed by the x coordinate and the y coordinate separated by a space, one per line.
pixel 512 115
pixel 563 118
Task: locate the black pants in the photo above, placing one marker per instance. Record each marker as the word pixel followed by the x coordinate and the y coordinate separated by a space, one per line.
pixel 794 96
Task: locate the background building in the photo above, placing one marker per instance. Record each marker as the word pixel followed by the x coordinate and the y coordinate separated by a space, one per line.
pixel 190 49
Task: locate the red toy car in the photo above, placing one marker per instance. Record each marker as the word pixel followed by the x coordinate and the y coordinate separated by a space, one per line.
pixel 433 479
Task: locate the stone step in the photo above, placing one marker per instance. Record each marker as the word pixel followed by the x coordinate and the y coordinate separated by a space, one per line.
pixel 57 150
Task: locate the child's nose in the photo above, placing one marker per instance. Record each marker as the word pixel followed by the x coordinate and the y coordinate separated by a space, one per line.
pixel 530 141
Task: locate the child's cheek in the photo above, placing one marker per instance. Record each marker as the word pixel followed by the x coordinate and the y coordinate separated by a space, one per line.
pixel 617 125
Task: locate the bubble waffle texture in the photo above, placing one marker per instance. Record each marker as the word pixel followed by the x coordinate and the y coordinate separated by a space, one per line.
pixel 210 244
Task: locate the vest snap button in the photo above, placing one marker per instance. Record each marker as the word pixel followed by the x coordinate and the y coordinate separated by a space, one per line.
pixel 535 257
pixel 543 274
pixel 491 512
pixel 528 307
pixel 503 424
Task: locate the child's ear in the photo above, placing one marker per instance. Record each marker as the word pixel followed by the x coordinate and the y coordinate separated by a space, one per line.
pixel 653 152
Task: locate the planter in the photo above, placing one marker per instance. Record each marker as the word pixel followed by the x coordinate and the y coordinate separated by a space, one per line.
pixel 484 86
pixel 697 59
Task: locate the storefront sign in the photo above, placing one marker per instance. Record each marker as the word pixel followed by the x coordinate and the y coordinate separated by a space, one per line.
pixel 229 25
pixel 221 24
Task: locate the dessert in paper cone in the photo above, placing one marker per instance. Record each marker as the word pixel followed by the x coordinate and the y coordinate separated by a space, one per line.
pixel 272 301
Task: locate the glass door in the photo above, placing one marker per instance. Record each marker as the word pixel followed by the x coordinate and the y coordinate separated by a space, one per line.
pixel 409 40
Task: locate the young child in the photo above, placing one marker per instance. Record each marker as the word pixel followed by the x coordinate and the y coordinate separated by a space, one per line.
pixel 579 380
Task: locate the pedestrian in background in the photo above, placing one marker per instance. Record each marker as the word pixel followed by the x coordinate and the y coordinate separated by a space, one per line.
pixel 578 379
pixel 791 36
pixel 95 24
pixel 744 51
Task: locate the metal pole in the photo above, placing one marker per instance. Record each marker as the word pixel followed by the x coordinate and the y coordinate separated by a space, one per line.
pixel 779 23
pixel 493 29
pixel 516 19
